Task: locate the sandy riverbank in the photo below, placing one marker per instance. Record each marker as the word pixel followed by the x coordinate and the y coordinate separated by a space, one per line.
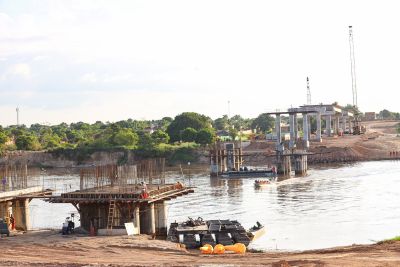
pixel 49 248
pixel 376 144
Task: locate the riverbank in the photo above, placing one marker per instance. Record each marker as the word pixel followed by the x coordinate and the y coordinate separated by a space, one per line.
pixel 49 248
pixel 380 139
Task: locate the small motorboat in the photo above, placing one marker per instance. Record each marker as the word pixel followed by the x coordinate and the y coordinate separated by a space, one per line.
pixel 260 183
pixel 256 231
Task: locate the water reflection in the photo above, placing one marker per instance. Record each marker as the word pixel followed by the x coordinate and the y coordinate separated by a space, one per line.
pixel 329 207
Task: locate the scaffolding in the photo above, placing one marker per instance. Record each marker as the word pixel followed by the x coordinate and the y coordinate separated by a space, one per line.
pixel 151 171
pixel 16 176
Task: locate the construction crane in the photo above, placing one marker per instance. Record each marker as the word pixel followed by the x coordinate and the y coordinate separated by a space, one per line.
pixel 308 92
pixel 357 128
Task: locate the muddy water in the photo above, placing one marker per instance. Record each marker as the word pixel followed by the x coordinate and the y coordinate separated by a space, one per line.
pixel 332 206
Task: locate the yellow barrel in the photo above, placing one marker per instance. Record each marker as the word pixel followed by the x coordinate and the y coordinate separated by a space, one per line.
pixel 206 249
pixel 219 249
pixel 238 248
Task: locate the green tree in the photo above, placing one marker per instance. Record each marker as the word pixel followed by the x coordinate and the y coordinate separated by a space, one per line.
pixel 3 137
pixel 233 133
pixel 160 136
pixel 205 136
pixel 189 135
pixel 125 137
pixel 222 123
pixel 263 123
pixel 187 120
pixel 27 141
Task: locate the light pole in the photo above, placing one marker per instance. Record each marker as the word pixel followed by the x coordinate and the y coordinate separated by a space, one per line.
pixel 189 173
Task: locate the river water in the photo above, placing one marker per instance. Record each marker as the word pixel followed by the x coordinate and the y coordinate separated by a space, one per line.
pixel 332 206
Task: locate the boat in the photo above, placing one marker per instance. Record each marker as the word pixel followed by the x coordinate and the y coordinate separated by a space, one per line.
pixel 261 183
pixel 196 233
pixel 256 231
pixel 245 172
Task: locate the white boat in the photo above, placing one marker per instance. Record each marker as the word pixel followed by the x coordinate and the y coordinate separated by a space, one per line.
pixel 256 231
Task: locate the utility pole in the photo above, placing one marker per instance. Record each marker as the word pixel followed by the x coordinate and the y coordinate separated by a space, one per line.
pixel 308 92
pixel 17 110
pixel 229 109
pixel 353 67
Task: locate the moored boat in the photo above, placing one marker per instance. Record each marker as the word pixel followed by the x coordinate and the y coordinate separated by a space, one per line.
pixel 256 231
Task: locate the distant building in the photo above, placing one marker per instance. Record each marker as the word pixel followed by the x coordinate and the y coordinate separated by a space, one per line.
pixel 370 116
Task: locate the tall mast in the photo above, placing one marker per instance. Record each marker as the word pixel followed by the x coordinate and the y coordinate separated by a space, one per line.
pixel 308 92
pixel 353 67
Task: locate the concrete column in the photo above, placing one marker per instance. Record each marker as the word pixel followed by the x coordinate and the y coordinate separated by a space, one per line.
pixel 305 131
pixel 278 130
pixel 152 219
pixel 21 214
pixel 318 118
pixel 296 132
pixel 161 218
pixel 328 125
pixel 137 219
pixel 344 124
pixel 284 164
pixel 292 131
pixel 350 126
pixel 337 125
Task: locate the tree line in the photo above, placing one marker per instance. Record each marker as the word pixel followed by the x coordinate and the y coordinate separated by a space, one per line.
pixel 189 127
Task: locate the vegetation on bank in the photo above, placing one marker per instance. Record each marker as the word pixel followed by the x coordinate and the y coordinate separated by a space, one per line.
pixel 390 240
pixel 145 137
pixel 148 138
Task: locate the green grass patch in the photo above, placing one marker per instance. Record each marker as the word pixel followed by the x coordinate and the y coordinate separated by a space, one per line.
pixel 390 240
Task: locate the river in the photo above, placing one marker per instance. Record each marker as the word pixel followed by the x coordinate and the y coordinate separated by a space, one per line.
pixel 332 206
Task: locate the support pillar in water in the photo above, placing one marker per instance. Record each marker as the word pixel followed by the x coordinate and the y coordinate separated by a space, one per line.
pixel 284 164
pixel 300 164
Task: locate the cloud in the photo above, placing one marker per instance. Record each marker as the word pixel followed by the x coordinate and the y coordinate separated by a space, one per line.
pixel 20 70
pixel 89 78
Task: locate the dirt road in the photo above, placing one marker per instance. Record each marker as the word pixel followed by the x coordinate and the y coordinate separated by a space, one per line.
pixel 49 248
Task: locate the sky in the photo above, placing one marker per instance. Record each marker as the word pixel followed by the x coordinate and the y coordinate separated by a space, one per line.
pixel 80 60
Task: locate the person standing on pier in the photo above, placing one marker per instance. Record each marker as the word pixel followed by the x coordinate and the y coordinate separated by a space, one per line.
pixel 12 222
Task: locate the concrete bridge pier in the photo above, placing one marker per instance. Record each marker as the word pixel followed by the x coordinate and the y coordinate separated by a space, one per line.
pixel 337 125
pixel 161 215
pixel 318 118
pixel 344 124
pixel 305 131
pixel 278 131
pixel 136 220
pixel 284 164
pixel 329 125
pixel 147 219
pixel 21 214
pixel 300 164
pixel 293 137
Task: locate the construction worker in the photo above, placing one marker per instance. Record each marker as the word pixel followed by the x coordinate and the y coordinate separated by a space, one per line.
pixel 12 222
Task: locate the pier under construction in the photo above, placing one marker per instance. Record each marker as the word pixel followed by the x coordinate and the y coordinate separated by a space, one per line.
pixel 18 188
pixel 111 195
